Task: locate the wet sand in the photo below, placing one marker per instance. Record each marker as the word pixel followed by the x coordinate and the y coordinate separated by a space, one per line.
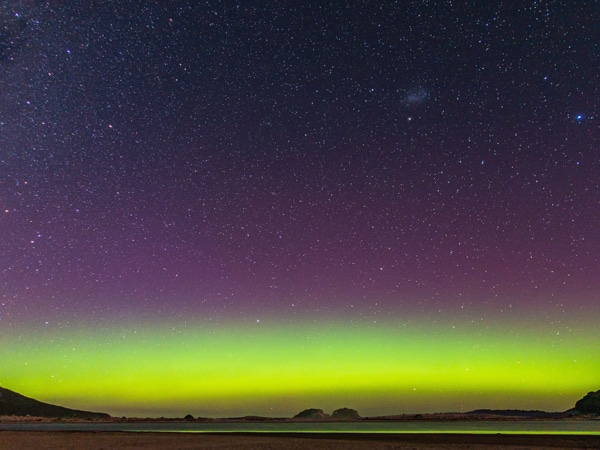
pixel 90 440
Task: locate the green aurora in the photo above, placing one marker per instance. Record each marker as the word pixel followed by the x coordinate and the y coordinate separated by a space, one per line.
pixel 277 368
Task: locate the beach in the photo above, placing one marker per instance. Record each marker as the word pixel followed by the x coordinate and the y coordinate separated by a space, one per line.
pixel 100 440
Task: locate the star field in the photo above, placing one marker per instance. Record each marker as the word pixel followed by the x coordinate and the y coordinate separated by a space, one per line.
pixel 247 176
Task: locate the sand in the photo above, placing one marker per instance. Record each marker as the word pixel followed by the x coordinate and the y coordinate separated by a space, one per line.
pixel 103 440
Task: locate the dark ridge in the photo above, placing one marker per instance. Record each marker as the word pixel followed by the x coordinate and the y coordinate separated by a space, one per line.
pixel 312 413
pixel 13 404
pixel 521 413
pixel 345 414
pixel 590 404
pixel 250 418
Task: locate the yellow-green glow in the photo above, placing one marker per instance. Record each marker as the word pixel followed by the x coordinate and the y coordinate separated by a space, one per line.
pixel 274 369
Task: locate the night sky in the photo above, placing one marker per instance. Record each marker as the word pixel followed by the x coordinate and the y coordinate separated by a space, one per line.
pixel 227 208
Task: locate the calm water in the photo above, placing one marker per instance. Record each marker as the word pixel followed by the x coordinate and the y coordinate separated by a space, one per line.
pixel 589 427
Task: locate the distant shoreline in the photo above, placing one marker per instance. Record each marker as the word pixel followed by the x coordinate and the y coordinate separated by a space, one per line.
pixel 434 417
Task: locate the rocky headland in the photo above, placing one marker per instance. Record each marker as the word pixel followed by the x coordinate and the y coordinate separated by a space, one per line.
pixel 13 404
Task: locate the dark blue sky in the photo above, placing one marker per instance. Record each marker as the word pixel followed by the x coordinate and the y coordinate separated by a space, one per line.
pixel 225 157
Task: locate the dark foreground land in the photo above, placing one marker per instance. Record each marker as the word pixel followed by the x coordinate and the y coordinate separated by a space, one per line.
pixel 90 440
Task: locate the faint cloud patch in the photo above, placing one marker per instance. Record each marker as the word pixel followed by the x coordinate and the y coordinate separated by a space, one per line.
pixel 416 96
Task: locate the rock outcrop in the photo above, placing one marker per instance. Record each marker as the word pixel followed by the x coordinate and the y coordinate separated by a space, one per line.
pixel 13 404
pixel 345 414
pixel 312 413
pixel 590 404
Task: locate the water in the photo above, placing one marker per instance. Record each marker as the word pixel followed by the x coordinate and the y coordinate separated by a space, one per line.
pixel 568 427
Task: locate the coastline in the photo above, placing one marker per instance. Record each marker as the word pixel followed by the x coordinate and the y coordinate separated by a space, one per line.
pixel 415 418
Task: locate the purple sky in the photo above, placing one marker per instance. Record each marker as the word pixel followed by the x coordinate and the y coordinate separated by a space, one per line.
pixel 199 159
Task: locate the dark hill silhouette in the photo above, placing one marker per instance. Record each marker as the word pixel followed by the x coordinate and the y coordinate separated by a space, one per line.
pixel 312 413
pixel 13 404
pixel 590 404
pixel 345 414
pixel 521 413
